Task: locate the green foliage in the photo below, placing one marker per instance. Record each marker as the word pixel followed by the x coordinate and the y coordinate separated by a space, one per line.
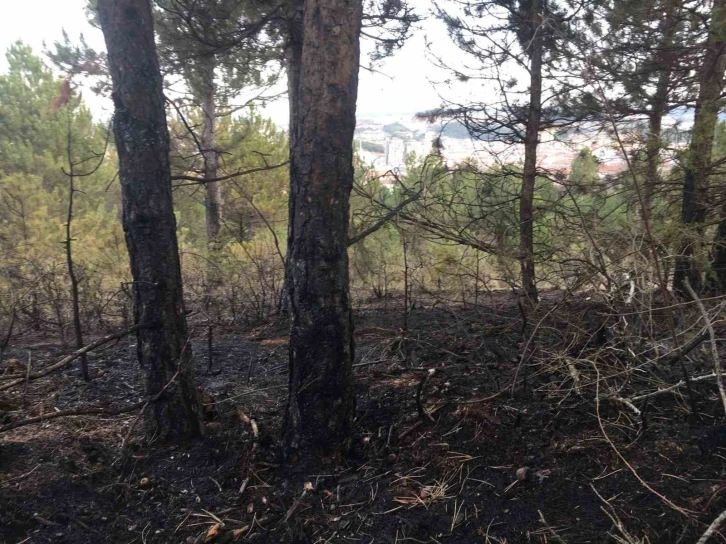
pixel 205 44
pixel 373 147
pixel 584 171
pixel 42 126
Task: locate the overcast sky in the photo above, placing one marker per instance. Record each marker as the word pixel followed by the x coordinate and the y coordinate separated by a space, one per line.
pixel 403 87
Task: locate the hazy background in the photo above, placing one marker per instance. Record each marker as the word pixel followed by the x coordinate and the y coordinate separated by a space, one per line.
pixel 403 85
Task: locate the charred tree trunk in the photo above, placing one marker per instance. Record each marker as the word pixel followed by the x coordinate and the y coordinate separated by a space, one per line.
pixel 531 141
pixel 321 402
pixel 696 171
pixel 142 140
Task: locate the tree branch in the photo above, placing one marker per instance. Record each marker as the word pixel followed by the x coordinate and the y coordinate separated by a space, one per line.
pixel 70 358
pixel 201 181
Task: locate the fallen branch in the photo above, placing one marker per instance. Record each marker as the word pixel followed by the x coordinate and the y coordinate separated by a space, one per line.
pixel 89 411
pixel 713 528
pixel 712 336
pixel 671 388
pixel 683 511
pixel 76 412
pixel 297 502
pixel 126 437
pixel 684 350
pixel 625 537
pixel 66 361
pixel 420 421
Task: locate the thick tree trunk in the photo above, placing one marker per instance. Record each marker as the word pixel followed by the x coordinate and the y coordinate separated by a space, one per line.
pixel 142 141
pixel 321 402
pixel 696 171
pixel 531 141
pixel 213 194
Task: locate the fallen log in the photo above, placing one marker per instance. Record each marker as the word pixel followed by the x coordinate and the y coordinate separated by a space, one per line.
pixel 66 361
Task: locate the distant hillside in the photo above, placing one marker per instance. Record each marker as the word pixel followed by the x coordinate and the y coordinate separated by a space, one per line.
pixel 397 129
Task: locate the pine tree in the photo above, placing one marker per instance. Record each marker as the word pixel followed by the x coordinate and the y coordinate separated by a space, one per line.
pixel 142 140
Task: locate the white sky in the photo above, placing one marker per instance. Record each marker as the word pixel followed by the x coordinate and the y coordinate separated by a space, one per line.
pixel 404 89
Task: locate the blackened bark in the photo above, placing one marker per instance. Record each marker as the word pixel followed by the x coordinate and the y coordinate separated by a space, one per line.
pixel 531 141
pixel 213 195
pixel 293 54
pixel 142 141
pixel 696 171
pixel 321 402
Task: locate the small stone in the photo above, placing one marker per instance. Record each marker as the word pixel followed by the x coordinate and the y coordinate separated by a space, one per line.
pixel 523 473
pixel 144 482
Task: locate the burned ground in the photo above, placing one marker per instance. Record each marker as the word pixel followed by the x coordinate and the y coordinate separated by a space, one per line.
pixel 552 461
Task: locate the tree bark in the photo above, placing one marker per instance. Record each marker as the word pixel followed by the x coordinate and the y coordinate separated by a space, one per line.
pixel 696 171
pixel 718 257
pixel 75 296
pixel 213 194
pixel 142 141
pixel 293 54
pixel 653 145
pixel 659 105
pixel 531 141
pixel 718 51
pixel 321 402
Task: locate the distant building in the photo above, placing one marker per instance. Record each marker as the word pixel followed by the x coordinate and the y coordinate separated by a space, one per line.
pixel 396 151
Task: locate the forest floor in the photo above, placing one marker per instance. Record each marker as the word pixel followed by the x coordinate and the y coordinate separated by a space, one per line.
pixel 484 466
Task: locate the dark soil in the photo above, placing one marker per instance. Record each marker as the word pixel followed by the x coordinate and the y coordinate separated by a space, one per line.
pixel 452 477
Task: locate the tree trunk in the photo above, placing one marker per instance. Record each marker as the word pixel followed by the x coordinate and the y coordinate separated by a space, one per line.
pixel 696 171
pixel 531 141
pixel 75 297
pixel 142 141
pixel 653 146
pixel 321 402
pixel 659 105
pixel 718 257
pixel 213 194
pixel 716 50
pixel 293 54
